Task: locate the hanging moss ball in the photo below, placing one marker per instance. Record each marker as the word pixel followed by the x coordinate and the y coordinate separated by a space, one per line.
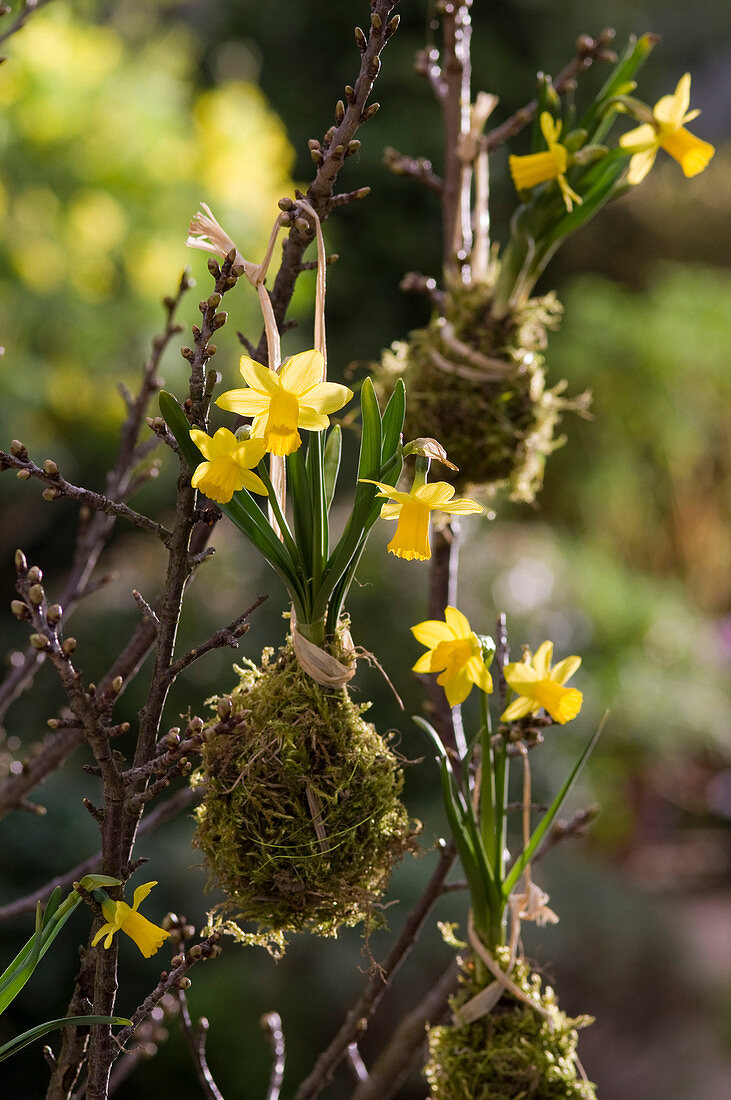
pixel 513 1053
pixel 301 822
pixel 478 386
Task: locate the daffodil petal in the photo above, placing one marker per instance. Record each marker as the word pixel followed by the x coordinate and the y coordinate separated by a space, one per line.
pixel 224 442
pixel 105 928
pixel 245 402
pixel 457 622
pixel 541 660
pixel 431 632
pixel 565 669
pixel 258 377
pixel 389 491
pixel 423 664
pixel 550 128
pixel 519 708
pixel 302 372
pixel 327 397
pixel 391 509
pixel 517 673
pixel 249 452
pixel 457 688
pixel 310 420
pixel 480 674
pixel 462 507
pixel 253 483
pixel 435 494
pixel 640 165
pixel 202 441
pixel 642 136
pixel 671 108
pixel 141 893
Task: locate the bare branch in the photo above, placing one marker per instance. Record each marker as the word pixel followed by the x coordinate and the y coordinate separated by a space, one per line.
pixel 588 50
pixel 58 486
pixel 29 6
pixel 195 1040
pixel 394 1063
pixel 418 168
pixel 206 949
pixel 271 1025
pixel 227 636
pixel 357 1018
pixel 336 146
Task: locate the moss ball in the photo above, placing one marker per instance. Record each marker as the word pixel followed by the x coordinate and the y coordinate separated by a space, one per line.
pixel 301 822
pixel 478 386
pixel 513 1053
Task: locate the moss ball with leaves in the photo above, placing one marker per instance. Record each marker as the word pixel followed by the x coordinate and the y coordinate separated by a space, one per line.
pixel 513 1053
pixel 301 821
pixel 478 386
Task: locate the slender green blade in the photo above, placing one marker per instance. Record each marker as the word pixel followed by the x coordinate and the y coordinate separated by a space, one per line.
pixel 634 56
pixel 432 734
pixel 393 422
pixel 545 824
pixel 331 462
pixel 38 1032
pixel 21 968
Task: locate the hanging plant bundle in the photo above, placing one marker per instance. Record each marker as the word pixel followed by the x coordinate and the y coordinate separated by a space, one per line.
pixel 514 1052
pixel 301 821
pixel 478 385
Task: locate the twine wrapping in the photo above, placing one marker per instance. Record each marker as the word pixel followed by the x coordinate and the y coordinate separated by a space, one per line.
pixel 320 665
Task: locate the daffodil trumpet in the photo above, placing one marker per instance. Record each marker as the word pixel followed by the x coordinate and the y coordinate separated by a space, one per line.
pixel 291 418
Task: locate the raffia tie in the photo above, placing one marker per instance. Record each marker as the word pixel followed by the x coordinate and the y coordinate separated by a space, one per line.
pixel 320 665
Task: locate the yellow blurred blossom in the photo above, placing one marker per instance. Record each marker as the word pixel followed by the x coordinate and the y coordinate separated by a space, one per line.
pixel 455 651
pixel 667 131
pixel 535 168
pixel 541 687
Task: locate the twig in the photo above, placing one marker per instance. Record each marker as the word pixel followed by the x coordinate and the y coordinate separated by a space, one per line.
pixel 195 1040
pixel 163 813
pixel 271 1024
pixel 206 949
pixel 60 487
pixel 576 826
pixel 94 532
pixel 227 636
pixel 394 1063
pixel 588 50
pixel 331 154
pixel 417 168
pixel 29 6
pixel 357 1019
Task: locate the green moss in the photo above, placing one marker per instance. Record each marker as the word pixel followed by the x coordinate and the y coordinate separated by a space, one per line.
pixel 496 419
pixel 513 1053
pixel 301 821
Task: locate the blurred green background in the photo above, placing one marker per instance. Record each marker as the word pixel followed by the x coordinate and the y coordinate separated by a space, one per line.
pixel 116 119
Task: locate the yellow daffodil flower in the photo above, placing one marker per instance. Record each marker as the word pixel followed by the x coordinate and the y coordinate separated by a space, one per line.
pixel 667 131
pixel 229 465
pixel 535 168
pixel 539 686
pixel 296 397
pixel 122 917
pixel 455 651
pixel 413 509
